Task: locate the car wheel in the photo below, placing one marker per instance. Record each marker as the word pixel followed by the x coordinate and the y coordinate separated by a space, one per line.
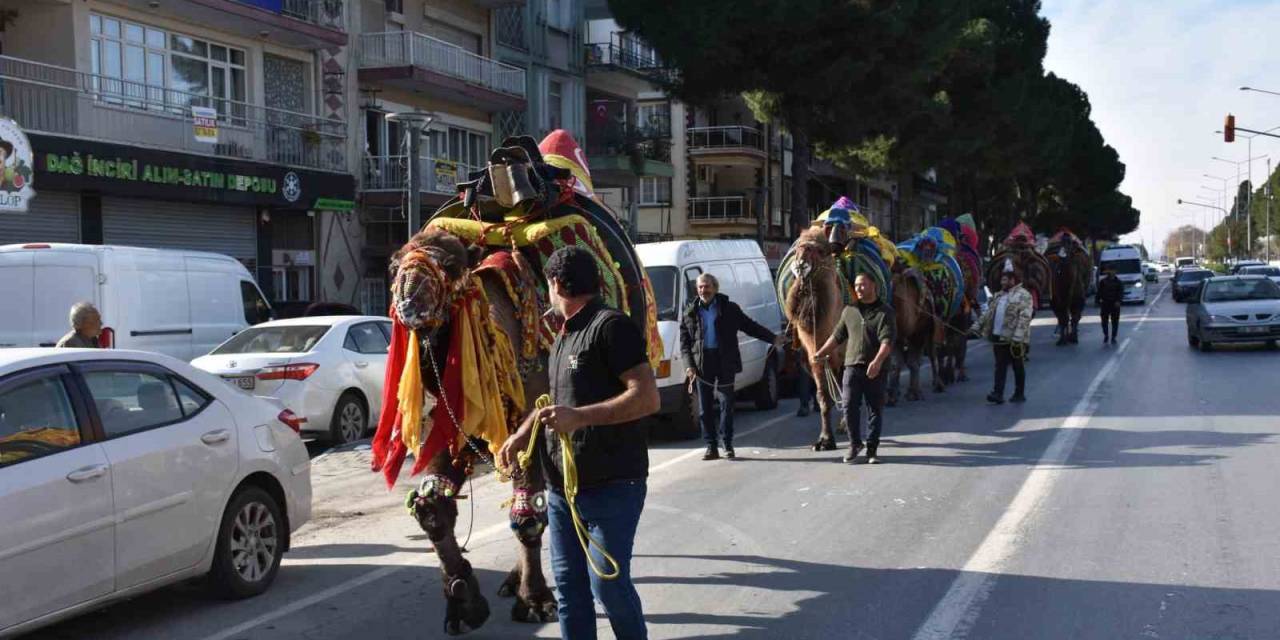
pixel 249 545
pixel 350 419
pixel 1191 339
pixel 766 395
pixel 1205 345
pixel 681 425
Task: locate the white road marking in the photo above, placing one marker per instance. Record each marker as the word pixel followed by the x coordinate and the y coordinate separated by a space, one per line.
pixel 955 615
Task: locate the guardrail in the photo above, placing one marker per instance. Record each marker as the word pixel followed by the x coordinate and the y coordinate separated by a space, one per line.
pixel 391 173
pixel 725 137
pixel 56 100
pixel 325 13
pixel 407 48
pixel 719 208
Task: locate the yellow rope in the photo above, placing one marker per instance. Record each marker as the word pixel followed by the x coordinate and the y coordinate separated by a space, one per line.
pixel 525 458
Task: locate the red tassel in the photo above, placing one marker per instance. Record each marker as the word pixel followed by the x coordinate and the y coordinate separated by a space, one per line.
pixel 389 419
pixel 444 431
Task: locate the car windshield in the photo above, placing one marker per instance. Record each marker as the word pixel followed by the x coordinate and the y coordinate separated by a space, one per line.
pixel 663 280
pixel 1121 266
pixel 1193 276
pixel 1232 290
pixel 278 339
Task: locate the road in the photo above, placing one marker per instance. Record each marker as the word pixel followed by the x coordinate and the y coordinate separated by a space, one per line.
pixel 1130 497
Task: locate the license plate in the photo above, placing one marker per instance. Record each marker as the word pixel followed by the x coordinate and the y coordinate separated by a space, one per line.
pixel 244 382
pixel 1253 330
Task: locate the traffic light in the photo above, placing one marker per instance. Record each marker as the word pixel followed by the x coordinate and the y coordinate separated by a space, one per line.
pixel 1229 129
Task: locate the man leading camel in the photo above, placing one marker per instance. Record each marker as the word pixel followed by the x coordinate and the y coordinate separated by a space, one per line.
pixel 868 328
pixel 1007 324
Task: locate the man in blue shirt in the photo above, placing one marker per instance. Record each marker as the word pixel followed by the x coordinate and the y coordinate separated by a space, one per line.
pixel 709 344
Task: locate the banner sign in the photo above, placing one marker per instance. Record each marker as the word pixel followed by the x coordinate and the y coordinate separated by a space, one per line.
pixel 205 122
pixel 16 168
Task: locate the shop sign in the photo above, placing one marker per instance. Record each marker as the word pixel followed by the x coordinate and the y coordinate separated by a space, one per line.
pixel 118 168
pixel 205 122
pixel 16 168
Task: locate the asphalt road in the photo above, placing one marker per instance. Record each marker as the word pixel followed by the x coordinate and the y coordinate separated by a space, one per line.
pixel 1130 497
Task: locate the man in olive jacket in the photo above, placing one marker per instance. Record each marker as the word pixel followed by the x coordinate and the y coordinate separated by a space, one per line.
pixel 709 343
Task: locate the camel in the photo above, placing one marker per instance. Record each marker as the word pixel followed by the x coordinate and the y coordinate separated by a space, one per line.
pixel 435 510
pixel 1070 268
pixel 813 305
pixel 916 332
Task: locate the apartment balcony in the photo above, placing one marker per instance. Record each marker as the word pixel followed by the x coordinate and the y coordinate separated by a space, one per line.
pixel 740 146
pixel 390 174
pixel 499 4
pixel 617 57
pixel 64 102
pixel 304 24
pixel 617 155
pixel 721 210
pixel 419 63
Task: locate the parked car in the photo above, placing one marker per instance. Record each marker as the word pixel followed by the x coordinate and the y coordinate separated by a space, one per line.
pixel 1234 309
pixel 1150 273
pixel 1187 282
pixel 739 265
pixel 1165 267
pixel 327 369
pixel 123 471
pixel 179 303
pixel 1239 265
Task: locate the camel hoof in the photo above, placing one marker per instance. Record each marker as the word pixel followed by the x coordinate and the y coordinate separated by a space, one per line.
pixel 507 589
pixel 914 395
pixel 536 609
pixel 824 444
pixel 465 608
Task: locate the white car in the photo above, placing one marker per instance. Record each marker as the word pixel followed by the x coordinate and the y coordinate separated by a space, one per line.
pixel 327 369
pixel 123 471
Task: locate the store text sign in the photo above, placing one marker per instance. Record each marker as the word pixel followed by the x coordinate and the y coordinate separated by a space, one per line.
pixel 134 170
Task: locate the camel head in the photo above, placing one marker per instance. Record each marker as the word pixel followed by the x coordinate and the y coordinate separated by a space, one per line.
pixel 429 273
pixel 813 252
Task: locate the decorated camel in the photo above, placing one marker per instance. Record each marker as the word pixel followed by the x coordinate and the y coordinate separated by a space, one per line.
pixel 915 323
pixel 970 261
pixel 1018 252
pixel 930 254
pixel 470 341
pixel 1070 267
pixel 815 282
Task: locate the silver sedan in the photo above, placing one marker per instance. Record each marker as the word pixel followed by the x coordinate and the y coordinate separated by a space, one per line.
pixel 1234 309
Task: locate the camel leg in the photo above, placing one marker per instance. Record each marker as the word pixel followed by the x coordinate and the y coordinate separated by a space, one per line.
pixel 535 602
pixel 913 368
pixel 962 353
pixel 935 364
pixel 434 505
pixel 826 439
pixel 894 373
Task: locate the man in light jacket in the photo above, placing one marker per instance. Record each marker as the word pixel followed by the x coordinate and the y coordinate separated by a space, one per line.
pixel 1007 324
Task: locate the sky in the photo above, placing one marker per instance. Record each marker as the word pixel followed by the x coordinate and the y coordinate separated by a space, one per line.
pixel 1161 76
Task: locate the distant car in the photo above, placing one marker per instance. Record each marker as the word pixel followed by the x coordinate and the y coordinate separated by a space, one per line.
pixel 123 471
pixel 327 369
pixel 1187 282
pixel 1238 267
pixel 1262 270
pixel 1234 309
pixel 1150 273
pixel 1165 267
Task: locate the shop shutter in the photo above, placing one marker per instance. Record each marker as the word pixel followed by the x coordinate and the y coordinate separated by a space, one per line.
pixel 160 224
pixel 53 216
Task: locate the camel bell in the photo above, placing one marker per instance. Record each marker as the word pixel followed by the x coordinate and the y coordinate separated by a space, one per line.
pixel 509 174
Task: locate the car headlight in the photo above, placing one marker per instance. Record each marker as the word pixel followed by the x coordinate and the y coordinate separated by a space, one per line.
pixel 1220 319
pixel 1137 285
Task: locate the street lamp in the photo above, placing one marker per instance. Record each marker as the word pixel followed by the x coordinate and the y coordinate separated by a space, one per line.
pixel 1206 206
pixel 416 122
pixel 1259 90
pixel 1248 218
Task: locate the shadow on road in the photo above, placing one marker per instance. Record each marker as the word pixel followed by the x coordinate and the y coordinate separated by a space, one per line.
pixel 833 601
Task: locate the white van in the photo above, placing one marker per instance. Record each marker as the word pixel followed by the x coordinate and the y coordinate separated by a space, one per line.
pixel 1126 261
pixel 739 265
pixel 179 303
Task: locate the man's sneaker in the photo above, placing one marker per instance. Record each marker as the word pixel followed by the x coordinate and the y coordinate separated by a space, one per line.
pixel 873 460
pixel 853 453
pixel 711 454
pixel 1018 397
pixel 803 411
pixel 992 398
pixel 728 453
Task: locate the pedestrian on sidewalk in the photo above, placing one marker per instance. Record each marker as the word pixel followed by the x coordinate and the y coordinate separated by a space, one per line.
pixel 867 331
pixel 709 343
pixel 601 386
pixel 1007 324
pixel 86 326
pixel 1110 297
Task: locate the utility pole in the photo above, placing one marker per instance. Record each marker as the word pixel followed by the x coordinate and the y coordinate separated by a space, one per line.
pixel 416 122
pixel 1268 211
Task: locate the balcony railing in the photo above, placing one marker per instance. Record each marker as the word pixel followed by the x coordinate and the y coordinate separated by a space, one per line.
pixel 391 173
pixel 619 55
pixel 646 143
pixel 406 48
pixel 57 100
pixel 720 208
pixel 325 13
pixel 725 138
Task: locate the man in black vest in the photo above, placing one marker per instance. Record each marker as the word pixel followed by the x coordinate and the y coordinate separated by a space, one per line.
pixel 601 386
pixel 709 344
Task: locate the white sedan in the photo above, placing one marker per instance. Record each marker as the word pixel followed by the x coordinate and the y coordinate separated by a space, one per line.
pixel 123 471
pixel 327 369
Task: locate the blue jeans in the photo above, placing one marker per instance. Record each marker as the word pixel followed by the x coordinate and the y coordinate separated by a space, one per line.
pixel 715 385
pixel 611 513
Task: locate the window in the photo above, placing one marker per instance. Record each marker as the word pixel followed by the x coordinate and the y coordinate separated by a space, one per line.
pixel 555 104
pixel 558 14
pixel 366 337
pixel 132 401
pixel 663 281
pixel 36 420
pixel 294 338
pixel 654 119
pixel 395 6
pixel 256 309
pixel 691 283
pixel 291 283
pixel 191 399
pixel 655 191
pixel 149 68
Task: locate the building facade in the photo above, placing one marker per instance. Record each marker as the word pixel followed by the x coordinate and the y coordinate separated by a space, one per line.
pixel 206 125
